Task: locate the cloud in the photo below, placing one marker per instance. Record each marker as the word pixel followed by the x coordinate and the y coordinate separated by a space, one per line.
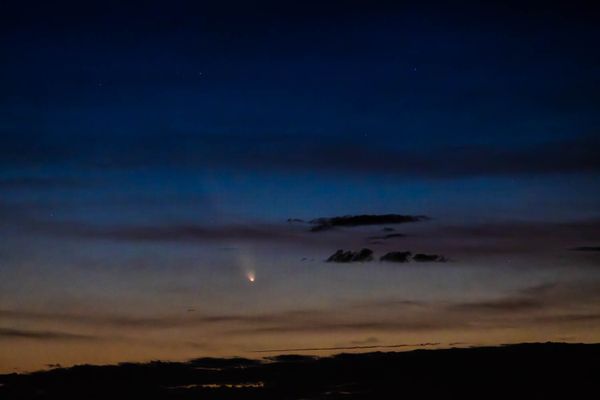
pixel 333 324
pixel 179 233
pixel 389 346
pixel 342 256
pixel 549 304
pixel 152 322
pixel 368 341
pixel 305 320
pixel 564 299
pixel 397 256
pixel 420 257
pixel 9 333
pixel 569 318
pixel 390 303
pixel 388 236
pixel 587 248
pixel 462 241
pixel 268 152
pixel 571 230
pixel 182 233
pixel 533 238
pixel 406 256
pixel 362 220
pixel 506 304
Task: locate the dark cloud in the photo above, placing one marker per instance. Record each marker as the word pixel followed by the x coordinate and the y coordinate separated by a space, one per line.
pixel 429 258
pixel 9 333
pixel 237 324
pixel 362 220
pixel 153 322
pixel 586 248
pixel 319 326
pixel 397 256
pixel 406 256
pixel 480 239
pixel 389 346
pixel 388 236
pixel 569 318
pixel 342 256
pixel 507 304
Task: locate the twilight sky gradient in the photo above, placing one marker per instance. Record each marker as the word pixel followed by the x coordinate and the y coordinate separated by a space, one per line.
pixel 152 153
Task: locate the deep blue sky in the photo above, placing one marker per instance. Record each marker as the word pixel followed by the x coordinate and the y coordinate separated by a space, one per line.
pixel 347 89
pixel 150 154
pixel 86 83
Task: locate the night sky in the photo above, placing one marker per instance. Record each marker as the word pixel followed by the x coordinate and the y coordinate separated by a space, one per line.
pixel 163 166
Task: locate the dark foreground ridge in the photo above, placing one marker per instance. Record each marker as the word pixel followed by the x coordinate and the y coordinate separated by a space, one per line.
pixel 545 370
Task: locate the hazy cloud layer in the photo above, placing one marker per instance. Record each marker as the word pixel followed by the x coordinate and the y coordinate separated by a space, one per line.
pixel 549 304
pixel 460 242
pixel 286 152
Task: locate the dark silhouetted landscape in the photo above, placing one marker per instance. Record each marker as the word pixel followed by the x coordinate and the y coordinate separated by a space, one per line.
pixel 539 370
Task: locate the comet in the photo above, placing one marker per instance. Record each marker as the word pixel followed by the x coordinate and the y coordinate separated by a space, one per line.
pixel 251 277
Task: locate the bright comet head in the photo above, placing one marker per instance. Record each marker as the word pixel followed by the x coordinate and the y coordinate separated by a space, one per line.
pixel 251 276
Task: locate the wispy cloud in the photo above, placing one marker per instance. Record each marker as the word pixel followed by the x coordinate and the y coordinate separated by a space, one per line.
pixel 587 248
pixel 321 224
pixel 9 333
pixel 291 153
pixel 505 304
pixel 542 304
pixel 382 346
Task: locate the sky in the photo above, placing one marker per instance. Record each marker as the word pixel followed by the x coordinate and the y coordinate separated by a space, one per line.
pixel 170 174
